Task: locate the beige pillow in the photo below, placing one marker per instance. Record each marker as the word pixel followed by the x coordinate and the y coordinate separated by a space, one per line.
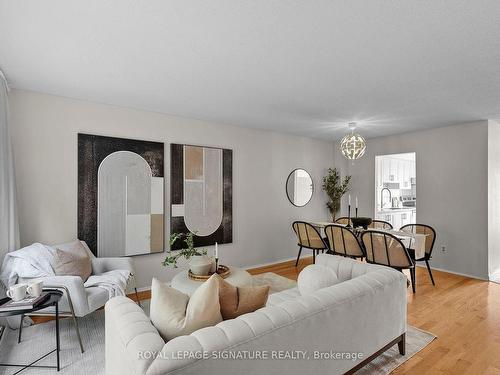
pixel 73 262
pixel 175 314
pixel 236 301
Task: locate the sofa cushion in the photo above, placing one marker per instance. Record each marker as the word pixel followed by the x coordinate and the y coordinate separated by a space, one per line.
pixel 73 261
pixel 315 277
pixel 235 301
pixel 174 314
pixel 280 297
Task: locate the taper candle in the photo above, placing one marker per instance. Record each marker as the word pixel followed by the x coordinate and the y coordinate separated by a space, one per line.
pixel 349 199
pixel 216 250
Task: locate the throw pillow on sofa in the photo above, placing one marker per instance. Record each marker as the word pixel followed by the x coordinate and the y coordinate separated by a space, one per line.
pixel 174 314
pixel 315 277
pixel 74 261
pixel 235 301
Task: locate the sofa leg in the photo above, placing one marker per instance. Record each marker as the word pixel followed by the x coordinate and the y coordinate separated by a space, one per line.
pixel 402 344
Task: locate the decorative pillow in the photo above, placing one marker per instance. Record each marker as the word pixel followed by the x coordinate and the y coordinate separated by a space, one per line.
pixel 74 261
pixel 174 314
pixel 315 277
pixel 235 301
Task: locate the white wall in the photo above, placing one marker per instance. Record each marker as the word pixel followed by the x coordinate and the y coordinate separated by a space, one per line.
pixel 452 189
pixel 44 136
pixel 494 200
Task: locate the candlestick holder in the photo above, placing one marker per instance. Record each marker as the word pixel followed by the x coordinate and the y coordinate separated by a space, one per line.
pixel 349 217
pixel 356 212
pixel 216 265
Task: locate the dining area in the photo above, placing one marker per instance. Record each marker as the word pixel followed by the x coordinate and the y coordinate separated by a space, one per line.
pixel 369 240
pixel 400 242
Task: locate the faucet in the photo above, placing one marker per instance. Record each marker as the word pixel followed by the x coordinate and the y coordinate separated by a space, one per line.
pixel 382 197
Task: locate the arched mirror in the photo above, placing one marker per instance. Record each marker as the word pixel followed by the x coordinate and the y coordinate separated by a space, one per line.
pixel 299 187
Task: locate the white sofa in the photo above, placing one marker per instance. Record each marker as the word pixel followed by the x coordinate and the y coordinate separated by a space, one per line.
pixel 365 313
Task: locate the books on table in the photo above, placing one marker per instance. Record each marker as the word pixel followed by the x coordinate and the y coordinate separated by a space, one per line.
pixel 25 304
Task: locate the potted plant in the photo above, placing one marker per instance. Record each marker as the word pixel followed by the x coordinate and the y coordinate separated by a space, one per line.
pixel 335 187
pixel 199 263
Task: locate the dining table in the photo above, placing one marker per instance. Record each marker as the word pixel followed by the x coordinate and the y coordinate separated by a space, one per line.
pixel 414 241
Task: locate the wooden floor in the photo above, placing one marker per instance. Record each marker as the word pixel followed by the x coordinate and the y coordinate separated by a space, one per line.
pixel 463 313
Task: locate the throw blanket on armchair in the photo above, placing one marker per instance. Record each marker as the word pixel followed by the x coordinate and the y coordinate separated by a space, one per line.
pixel 30 262
pixel 115 282
pixel 35 261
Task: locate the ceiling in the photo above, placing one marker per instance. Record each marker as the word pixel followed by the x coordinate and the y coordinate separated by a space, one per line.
pixel 305 67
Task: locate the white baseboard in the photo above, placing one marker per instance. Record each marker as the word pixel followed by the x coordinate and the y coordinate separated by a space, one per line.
pixel 495 277
pixel 453 272
pixel 147 288
pixel 269 263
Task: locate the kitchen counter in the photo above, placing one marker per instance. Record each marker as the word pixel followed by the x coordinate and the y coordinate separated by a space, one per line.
pixel 396 210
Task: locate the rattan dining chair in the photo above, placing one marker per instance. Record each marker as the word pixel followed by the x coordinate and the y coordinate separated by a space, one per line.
pixel 344 220
pixel 309 237
pixel 429 243
pixel 343 241
pixel 380 224
pixel 388 250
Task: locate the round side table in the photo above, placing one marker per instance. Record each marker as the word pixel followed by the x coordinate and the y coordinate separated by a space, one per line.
pixel 51 301
pixel 237 277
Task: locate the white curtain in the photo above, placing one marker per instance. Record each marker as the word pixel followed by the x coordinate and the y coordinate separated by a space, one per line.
pixel 9 228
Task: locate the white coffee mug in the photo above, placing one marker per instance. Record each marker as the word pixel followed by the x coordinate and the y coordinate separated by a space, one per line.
pixel 35 288
pixel 17 292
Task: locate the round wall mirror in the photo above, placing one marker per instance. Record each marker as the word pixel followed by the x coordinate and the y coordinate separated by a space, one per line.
pixel 299 187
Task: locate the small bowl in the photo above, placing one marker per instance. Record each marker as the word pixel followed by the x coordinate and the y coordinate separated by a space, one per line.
pixel 361 222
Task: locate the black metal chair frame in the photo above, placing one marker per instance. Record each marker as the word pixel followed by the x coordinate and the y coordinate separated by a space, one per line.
pixel 314 249
pixel 342 229
pixel 381 221
pixel 400 269
pixel 427 256
pixel 342 218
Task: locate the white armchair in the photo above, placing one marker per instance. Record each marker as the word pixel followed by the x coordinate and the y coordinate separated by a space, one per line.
pixel 77 300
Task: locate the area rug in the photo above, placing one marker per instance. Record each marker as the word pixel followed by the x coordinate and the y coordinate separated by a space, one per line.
pixel 276 282
pixel 416 340
pixel 40 338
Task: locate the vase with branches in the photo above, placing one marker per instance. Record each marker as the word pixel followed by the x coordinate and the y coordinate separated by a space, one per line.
pixel 186 252
pixel 335 187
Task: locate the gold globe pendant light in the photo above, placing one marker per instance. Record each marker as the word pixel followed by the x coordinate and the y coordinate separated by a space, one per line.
pixel 353 145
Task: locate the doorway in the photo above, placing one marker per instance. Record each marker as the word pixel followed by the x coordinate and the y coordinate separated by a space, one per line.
pixel 396 189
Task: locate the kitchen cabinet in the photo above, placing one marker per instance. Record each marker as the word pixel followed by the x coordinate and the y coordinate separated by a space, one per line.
pixel 397 171
pixel 406 175
pixel 393 171
pixel 400 175
pixel 385 167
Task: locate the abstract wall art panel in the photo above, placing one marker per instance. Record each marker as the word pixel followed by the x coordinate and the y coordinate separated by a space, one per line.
pixel 201 193
pixel 120 195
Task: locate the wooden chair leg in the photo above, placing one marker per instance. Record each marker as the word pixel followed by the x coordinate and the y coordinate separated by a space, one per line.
pixel 430 272
pixel 412 273
pixel 298 256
